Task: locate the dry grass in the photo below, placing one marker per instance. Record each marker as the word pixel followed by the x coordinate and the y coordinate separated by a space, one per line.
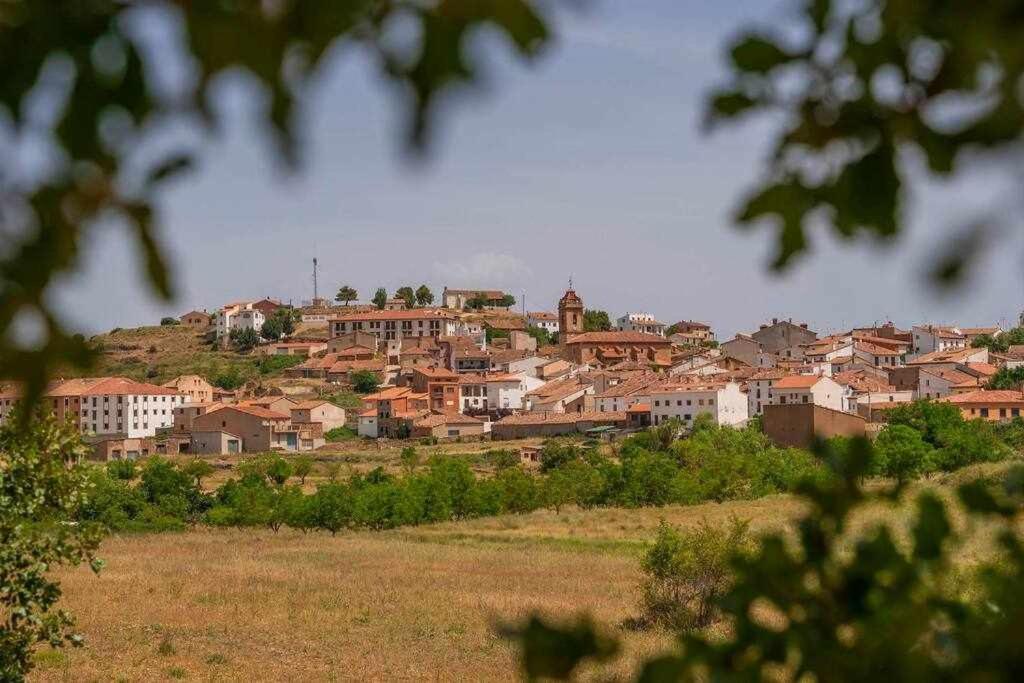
pixel 252 605
pixel 415 603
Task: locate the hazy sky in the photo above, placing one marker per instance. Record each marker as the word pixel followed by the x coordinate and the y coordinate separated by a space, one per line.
pixel 589 163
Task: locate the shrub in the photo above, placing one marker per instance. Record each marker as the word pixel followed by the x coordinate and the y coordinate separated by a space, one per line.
pixel 169 321
pixel 275 363
pixel 556 453
pixel 229 379
pixel 244 339
pixel 340 434
pixel 123 470
pixel 686 574
pixel 901 452
pixel 364 381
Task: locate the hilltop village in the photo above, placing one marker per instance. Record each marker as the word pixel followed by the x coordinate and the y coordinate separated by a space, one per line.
pixel 473 368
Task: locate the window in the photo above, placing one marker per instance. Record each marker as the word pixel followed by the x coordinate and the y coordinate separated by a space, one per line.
pixel 805 398
pixel 657 404
pixel 984 412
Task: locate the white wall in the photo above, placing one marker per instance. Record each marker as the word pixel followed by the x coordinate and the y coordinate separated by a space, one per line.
pixel 141 415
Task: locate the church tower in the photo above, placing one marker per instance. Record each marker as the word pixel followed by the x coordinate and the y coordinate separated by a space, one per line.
pixel 570 314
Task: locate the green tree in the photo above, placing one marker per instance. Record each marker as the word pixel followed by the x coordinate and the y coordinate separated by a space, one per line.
pixel 596 321
pixel 507 301
pixel 410 459
pixel 122 470
pixel 40 499
pixel 346 295
pixel 424 297
pixel 302 467
pixel 987 341
pixel 244 340
pixel 1007 378
pixel 477 302
pixel 364 381
pixel 542 336
pixel 407 295
pixel 380 298
pixel 687 574
pixel 901 452
pixel 198 469
pixel 169 322
pixel 272 329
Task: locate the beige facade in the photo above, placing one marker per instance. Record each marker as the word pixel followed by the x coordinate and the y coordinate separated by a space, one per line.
pixel 197 389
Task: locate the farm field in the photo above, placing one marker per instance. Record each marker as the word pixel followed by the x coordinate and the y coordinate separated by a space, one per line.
pixel 413 603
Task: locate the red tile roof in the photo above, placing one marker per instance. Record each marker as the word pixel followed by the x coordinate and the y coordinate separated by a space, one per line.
pixel 618 337
pixel 985 396
pixel 797 382
pixel 112 386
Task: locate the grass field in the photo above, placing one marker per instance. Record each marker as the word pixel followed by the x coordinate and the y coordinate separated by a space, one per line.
pixel 414 603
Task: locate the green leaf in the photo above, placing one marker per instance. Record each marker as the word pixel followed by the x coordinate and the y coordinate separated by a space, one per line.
pixel 931 529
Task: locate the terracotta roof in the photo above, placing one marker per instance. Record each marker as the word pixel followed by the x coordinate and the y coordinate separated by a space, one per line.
pixel 984 369
pixel 503 377
pixel 536 418
pixel 412 314
pixel 874 349
pixel 618 337
pixel 438 373
pixel 369 412
pixel 952 356
pixel 954 377
pixel 975 331
pixel 985 396
pixel 542 315
pixel 558 388
pixel 768 373
pixel 860 381
pixel 314 403
pixel 113 386
pixel 438 419
pixel 256 411
pixel 693 324
pixel 388 393
pixel 639 408
pixel 797 382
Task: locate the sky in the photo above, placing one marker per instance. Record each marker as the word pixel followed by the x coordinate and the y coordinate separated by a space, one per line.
pixel 588 163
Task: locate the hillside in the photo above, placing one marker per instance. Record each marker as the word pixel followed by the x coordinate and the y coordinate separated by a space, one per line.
pixel 158 354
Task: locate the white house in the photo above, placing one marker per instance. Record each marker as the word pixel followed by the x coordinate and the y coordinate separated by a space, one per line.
pixel 821 391
pixel 761 389
pixel 506 391
pixel 388 325
pixel 725 402
pixel 115 405
pixel 641 322
pixel 544 320
pixel 931 338
pixel 238 316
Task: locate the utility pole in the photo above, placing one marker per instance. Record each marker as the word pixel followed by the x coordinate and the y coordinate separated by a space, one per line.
pixel 316 291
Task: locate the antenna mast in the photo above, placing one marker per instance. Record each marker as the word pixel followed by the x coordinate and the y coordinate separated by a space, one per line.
pixel 316 291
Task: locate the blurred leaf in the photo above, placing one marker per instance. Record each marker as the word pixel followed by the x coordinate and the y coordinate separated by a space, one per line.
pixel 757 54
pixel 554 651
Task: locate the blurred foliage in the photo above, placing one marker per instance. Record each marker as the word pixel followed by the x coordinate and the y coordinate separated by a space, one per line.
pixel 86 83
pixel 852 604
pixel 854 86
pixel 39 492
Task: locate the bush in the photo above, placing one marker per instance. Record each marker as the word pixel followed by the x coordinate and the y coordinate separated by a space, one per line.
pixel 275 363
pixel 169 321
pixel 244 339
pixel 123 470
pixel 228 379
pixel 365 381
pixel 901 452
pixel 340 434
pixel 686 574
